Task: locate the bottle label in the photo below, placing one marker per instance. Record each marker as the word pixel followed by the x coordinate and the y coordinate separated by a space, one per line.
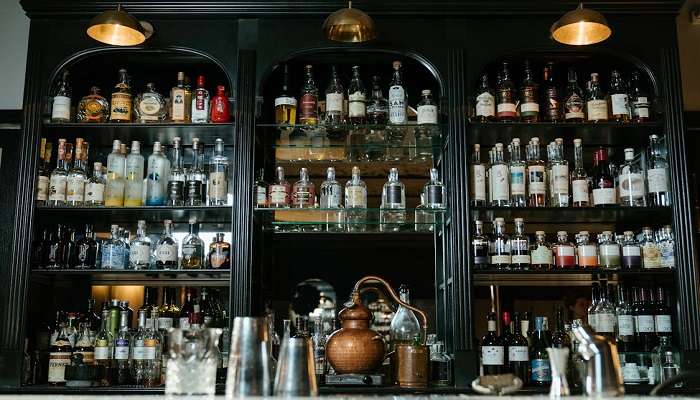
pixel 309 108
pixel 625 325
pixel 565 251
pixel 150 347
pixel 355 197
pixel 357 106
pixel 140 253
pixel 101 353
pixel 61 108
pixel 177 110
pixel 393 196
pixel 518 353
pixel 580 189
pixel 218 258
pixel 587 255
pixel 604 196
pixel 631 185
pixel 217 186
pixel 573 107
pixel 75 188
pixel 619 104
pixel 121 349
pixel 492 355
pixel 278 194
pixel 397 105
pixel 501 259
pixel 499 179
pixel 560 179
pixel 112 257
pixel 166 252
pixel 165 323
pixel 605 323
pixel 139 353
pixel 658 180
pixel 434 197
pixel 260 196
pixel 663 324
pixel 631 251
pixel 334 102
pixel 478 182
pixel 331 196
pixel 668 258
pixel 42 188
pixel 302 197
pixel 57 188
pixel 149 109
pixel 520 259
pixel 597 110
pixel 610 250
pixel 506 110
pixel 184 323
pixel 94 192
pixel 57 366
pixel 529 108
pixel 536 179
pixel 485 105
pixel 427 114
pixel 200 103
pixel 541 255
pixel 517 180
pixel 640 107
pixel 121 107
pixel 652 255
pixel 285 101
pixel 645 324
pixel 540 370
pixel 552 104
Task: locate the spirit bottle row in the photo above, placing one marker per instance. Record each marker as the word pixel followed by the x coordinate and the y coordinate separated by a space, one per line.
pixel 183 106
pixel 646 250
pixel 625 100
pixel 531 182
pixel 163 182
pixel 67 249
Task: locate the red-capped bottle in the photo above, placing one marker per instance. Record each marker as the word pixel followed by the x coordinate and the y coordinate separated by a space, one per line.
pixel 219 106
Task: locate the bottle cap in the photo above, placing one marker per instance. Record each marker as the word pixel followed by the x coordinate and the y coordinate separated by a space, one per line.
pixel 135 146
pixel 156 147
pixel 577 142
pixel 97 166
pixel 425 92
pixel 583 233
pixel 539 233
pixel 397 65
pixel 200 80
pixel 518 220
pixel 561 233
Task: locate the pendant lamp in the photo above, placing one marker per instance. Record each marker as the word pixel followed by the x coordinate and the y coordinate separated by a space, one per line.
pixel 581 27
pixel 119 28
pixel 349 25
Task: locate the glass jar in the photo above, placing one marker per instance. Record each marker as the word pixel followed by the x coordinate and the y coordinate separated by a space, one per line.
pixel 586 251
pixel 667 247
pixel 631 252
pixel 541 253
pixel 651 255
pixel 564 252
pixel 609 251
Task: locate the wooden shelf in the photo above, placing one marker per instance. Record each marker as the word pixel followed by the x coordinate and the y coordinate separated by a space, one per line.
pixel 564 215
pixel 107 215
pixel 572 277
pixel 201 277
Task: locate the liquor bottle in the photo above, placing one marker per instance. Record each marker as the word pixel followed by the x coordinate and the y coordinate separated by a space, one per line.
pixel 484 101
pixel 260 190
pixel 536 175
pixel 645 328
pixel 619 103
pixel 631 182
pixel 596 103
pixel 631 252
pixel 603 182
pixel 506 338
pixel 573 103
pixel 334 100
pixel 662 315
pixel 54 252
pixel 397 97
pixel 625 322
pixel 75 183
pixel 308 114
pixel 150 299
pixel 166 248
pixel 477 179
pixel 501 257
pixel 114 188
pixel 166 319
pixel 93 107
pixel 526 329
pixel 138 351
pixel 193 248
pixel 86 250
pixel 303 191
pixel 187 309
pixel 492 350
pixel 378 107
pixel 83 344
pixel 133 187
pixel 60 112
pixel 520 247
pixel 285 103
pixel 59 178
pixel 207 309
pixel 121 103
pixel 579 178
pixel 219 253
pixel 219 106
pixel 551 99
pixel 113 251
pixel 499 186
pixel 541 253
pixel 279 191
pixel 564 252
pixel 540 371
pixel 667 247
pixel 195 177
pixel 95 187
pixel 200 102
pixel 179 106
pixel 122 344
pixel 393 213
pixel 657 175
pixel 156 181
pixel 427 110
pixel 518 352
pixel 518 168
pixel 529 106
pixel 218 175
pixel 177 177
pixel 356 198
pixel 609 251
pixel 605 313
pixel 59 357
pixel 586 251
pixel 506 109
pixel 140 249
pixel 480 247
pixel 651 252
pixel 559 172
pixel 150 106
pixel 42 182
pixel 405 328
pixel 331 191
pixel 639 100
pixel 104 344
pixel 560 338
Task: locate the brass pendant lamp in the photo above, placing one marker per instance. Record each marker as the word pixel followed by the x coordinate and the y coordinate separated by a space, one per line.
pixel 119 28
pixel 349 25
pixel 580 27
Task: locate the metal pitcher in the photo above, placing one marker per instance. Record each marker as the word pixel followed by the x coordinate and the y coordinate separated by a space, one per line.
pixel 249 371
pixel 604 375
pixel 296 373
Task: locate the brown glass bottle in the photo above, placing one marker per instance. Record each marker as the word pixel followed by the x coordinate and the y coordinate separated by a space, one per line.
pixel 552 111
pixel 219 253
pixel 505 96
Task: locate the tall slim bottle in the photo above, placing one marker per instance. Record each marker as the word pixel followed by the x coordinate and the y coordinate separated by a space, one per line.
pixel 604 194
pixel 518 352
pixel 156 181
pixel 116 165
pixel 59 177
pixel 529 106
pixel 477 178
pixel 285 103
pixel 122 102
pixel 133 189
pixel 536 175
pixel 499 176
pixel 573 104
pixel 657 175
pixel 506 108
pixel 334 100
pixel 357 98
pixel 75 184
pixel 619 101
pixel 518 169
pixel 122 347
pixel 218 175
pixel 579 178
pixel 308 104
pixel 596 103
pixel 356 198
pixel 177 177
pixel 631 182
pixel 540 370
pixel 551 103
pixel 492 350
pixel 60 112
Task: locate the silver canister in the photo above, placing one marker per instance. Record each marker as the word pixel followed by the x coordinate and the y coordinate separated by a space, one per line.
pixel 249 372
pixel 296 372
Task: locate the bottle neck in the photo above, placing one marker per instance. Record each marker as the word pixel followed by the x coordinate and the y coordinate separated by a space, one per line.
pixel 194 228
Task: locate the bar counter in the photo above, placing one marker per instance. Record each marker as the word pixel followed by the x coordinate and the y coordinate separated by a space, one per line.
pixel 434 397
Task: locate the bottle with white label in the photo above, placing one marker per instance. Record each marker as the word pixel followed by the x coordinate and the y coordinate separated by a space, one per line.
pixel 356 198
pixel 518 170
pixel 477 179
pixel 651 254
pixel 95 187
pixel 357 99
pixel 559 173
pixel 639 100
pixel 427 110
pixel 138 351
pixel 492 350
pixel 609 251
pixel 59 178
pixel 75 183
pixel 529 97
pixel 499 179
pixel 541 257
pixel 506 108
pixel 279 191
pixel 520 247
pixel 397 97
pixel 140 248
pixel 60 112
pixel 580 193
pixel 631 182
pixel 667 247
pixel 645 324
pixel 104 342
pixel 501 256
pixel 166 253
pixel 586 251
pixel 604 193
pixel 113 251
pixel 484 101
pixel 596 103
pixel 657 174
pixel 114 187
pixel 625 321
pixel 662 315
pixel 606 318
pixel 332 198
pixel 619 102
pixel 122 350
pixel 536 175
pixel 218 175
pixel 334 100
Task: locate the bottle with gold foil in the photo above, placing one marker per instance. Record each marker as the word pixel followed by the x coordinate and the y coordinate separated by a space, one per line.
pixel 149 106
pixel 285 103
pixel 93 107
pixel 120 110
pixel 179 106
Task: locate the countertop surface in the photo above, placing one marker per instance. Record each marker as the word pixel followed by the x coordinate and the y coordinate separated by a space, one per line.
pixel 446 397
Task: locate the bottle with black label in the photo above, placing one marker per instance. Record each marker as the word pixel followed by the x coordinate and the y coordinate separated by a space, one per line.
pixel 393 208
pixel 492 350
pixel 480 247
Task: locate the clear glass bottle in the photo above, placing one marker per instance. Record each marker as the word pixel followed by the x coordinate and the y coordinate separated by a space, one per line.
pixel 639 100
pixel 113 250
pixel 427 110
pixel 166 248
pixel 591 310
pixel 334 100
pixel 60 110
pixel 42 183
pixel 260 189
pixel 441 366
pixel 122 347
pixel 121 104
pixel 433 200
pixel 133 188
pixel 378 106
pixel 631 252
pixel 138 351
pixel 397 96
pixel 285 103
pixel 219 253
pixel 393 207
pixel 116 166
pixel 657 174
pixel 651 253
pixel 140 248
pixel 605 313
pixel 564 252
pixel 559 170
pixel 536 175
pixel 104 343
pixel 529 105
pixel 619 101
pixel 93 107
pixel 631 182
pixel 573 104
pixel 193 248
pixel 596 103
pixel 506 108
pixel 75 182
pixel 308 107
pixel 520 247
pixel 86 250
pixel 356 202
pixel 541 257
pixel 279 191
pixel 156 179
pixel 501 257
pixel 609 251
pixel 95 187
pixel 179 104
pixel 484 101
pixel 149 106
pixel 477 179
pixel 625 321
pixel 195 186
pixel 303 191
pixel 200 102
pixel 218 175
pixel 579 178
pixel 667 247
pixel 499 179
pixel 404 326
pixel 332 198
pixel 177 177
pixel 427 130
pixel 586 251
pixel 59 178
pixel 480 247
pixel 518 170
